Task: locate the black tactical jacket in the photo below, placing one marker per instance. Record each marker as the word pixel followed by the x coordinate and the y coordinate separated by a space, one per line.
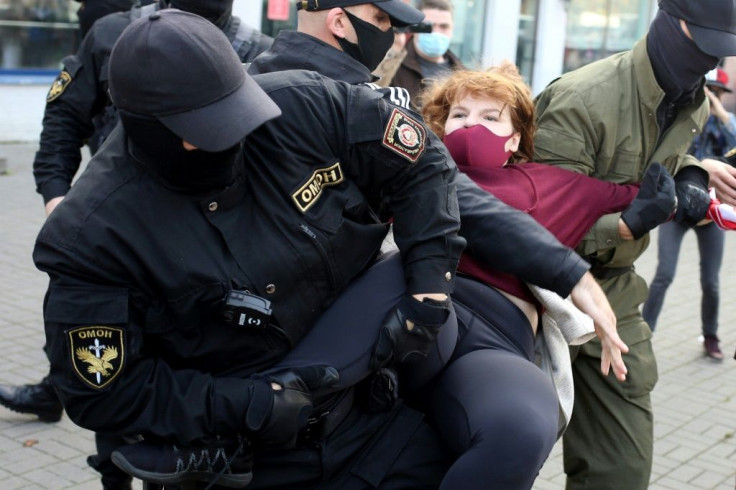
pixel 500 236
pixel 138 272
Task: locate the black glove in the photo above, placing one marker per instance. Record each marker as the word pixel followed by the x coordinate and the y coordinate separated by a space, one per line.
pixel 277 416
pixel 397 342
pixel 654 203
pixel 691 184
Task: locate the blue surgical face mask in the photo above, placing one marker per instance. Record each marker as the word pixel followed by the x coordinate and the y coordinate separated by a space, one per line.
pixel 433 44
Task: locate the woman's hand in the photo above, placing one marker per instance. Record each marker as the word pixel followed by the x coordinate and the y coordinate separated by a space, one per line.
pixel 589 298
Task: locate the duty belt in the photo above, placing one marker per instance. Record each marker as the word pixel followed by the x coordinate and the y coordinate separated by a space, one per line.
pixel 603 273
pixel 321 425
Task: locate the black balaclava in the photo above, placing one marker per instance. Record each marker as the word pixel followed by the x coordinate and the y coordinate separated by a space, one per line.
pixel 679 65
pixel 91 10
pixel 216 11
pixel 160 151
pixel 373 43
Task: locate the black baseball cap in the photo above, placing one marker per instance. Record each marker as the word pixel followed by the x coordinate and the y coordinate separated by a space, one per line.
pixel 402 14
pixel 712 23
pixel 179 68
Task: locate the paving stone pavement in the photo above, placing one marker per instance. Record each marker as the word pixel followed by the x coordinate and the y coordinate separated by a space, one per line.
pixel 695 399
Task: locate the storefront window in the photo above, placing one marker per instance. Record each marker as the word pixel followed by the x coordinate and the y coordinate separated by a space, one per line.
pixel 278 19
pixel 527 38
pixel 599 28
pixel 35 35
pixel 467 41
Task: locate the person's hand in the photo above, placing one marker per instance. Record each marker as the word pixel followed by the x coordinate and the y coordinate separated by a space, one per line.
pixel 716 107
pixel 691 186
pixel 51 205
pixel 589 298
pixel 281 402
pixel 654 203
pixel 722 178
pixel 409 330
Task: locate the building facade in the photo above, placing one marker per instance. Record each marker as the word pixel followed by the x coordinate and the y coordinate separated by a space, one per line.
pixel 545 38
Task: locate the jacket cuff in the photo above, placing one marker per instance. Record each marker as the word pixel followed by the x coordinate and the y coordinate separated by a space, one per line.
pixel 54 189
pixel 430 276
pixel 230 401
pixel 570 275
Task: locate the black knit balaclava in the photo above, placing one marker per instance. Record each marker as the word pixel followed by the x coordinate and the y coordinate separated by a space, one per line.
pixel 216 11
pixel 161 152
pixel 679 65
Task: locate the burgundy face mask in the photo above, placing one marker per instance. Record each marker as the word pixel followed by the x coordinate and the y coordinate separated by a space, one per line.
pixel 477 146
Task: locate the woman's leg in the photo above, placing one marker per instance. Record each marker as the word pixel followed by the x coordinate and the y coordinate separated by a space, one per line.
pixel 344 335
pixel 668 249
pixel 493 407
pixel 499 413
pixel 710 244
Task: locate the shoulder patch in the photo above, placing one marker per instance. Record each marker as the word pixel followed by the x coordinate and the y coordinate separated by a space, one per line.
pixel 59 85
pixel 308 194
pixel 97 354
pixel 405 136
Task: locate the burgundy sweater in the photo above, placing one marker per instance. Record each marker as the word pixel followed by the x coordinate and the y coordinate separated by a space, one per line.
pixel 566 203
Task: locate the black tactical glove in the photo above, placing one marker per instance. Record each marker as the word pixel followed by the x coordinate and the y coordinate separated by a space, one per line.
pixel 398 341
pixel 654 203
pixel 691 184
pixel 277 416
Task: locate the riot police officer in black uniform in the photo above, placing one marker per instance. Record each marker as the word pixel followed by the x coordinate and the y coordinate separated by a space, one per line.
pixel 522 248
pixel 183 266
pixel 78 109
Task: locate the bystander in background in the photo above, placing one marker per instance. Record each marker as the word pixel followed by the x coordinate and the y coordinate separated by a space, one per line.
pixel 428 55
pixel 717 138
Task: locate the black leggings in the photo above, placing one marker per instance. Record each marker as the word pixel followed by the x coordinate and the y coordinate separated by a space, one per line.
pixel 492 406
pixel 344 335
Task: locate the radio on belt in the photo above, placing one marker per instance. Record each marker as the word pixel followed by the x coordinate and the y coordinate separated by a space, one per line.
pixel 246 310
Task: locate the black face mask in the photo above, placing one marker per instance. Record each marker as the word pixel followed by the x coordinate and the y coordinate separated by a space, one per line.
pixel 679 65
pixel 373 43
pixel 216 11
pixel 161 151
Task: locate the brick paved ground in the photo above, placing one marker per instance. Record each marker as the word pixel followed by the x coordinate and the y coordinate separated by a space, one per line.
pixel 695 399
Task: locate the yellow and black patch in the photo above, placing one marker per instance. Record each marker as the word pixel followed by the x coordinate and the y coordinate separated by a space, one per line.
pixel 405 136
pixel 730 153
pixel 59 85
pixel 97 354
pixel 311 190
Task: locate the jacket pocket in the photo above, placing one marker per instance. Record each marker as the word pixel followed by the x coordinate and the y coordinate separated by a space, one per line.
pixel 87 305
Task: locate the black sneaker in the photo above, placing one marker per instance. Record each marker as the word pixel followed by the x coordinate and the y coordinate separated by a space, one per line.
pixel 40 400
pixel 227 463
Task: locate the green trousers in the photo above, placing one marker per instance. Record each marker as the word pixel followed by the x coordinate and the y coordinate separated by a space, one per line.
pixel 609 442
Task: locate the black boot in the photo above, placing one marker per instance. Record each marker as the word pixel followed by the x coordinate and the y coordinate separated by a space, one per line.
pixel 226 463
pixel 113 478
pixel 40 399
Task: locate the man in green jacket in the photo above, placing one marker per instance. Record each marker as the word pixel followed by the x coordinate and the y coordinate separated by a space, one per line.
pixel 611 119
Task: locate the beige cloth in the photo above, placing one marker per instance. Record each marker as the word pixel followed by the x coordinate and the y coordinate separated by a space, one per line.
pixel 562 325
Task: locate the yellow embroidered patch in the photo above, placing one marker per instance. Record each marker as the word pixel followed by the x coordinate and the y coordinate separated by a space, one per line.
pixel 97 354
pixel 311 190
pixel 59 85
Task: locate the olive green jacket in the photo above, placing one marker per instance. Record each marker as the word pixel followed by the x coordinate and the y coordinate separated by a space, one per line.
pixel 600 120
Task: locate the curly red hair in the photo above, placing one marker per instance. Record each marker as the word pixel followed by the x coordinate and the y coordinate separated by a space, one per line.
pixel 502 82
